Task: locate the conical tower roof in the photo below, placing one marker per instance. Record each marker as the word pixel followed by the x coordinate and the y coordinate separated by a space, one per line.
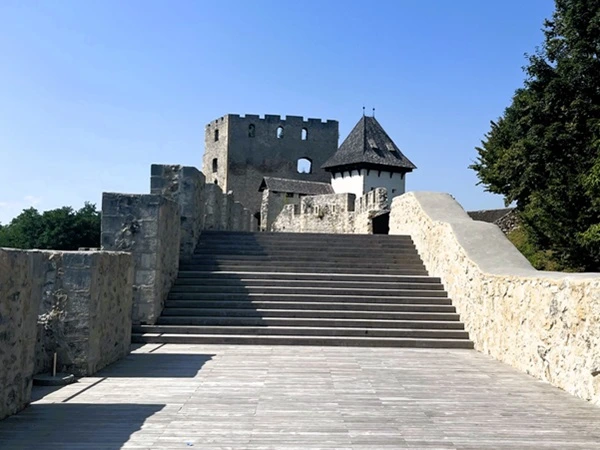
pixel 369 146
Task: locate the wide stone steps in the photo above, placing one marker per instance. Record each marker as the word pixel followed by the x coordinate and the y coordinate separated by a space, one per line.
pixel 307 322
pixel 309 331
pixel 306 289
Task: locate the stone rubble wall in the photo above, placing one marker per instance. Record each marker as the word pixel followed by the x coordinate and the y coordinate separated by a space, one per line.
pixel 185 186
pixel 333 213
pixel 85 313
pixel 546 324
pixel 148 226
pixel 20 296
pixel 163 227
pixel 77 304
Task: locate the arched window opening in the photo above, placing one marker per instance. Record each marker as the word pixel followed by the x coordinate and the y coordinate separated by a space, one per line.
pixel 304 165
pixel 216 182
pixel 215 165
pixel 216 135
pixel 251 130
pixel 304 134
pixel 280 132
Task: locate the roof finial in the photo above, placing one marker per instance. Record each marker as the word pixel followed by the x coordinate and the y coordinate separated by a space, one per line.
pixel 363 111
pixel 373 112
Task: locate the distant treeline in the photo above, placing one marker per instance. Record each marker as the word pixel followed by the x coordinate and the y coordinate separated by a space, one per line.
pixel 57 229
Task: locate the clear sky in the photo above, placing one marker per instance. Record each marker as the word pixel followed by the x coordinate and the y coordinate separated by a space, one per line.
pixel 93 92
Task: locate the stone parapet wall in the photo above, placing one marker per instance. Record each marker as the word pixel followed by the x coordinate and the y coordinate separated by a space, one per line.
pixel 85 313
pixel 20 296
pixel 546 324
pixel 332 213
pixel 185 186
pixel 77 304
pixel 148 226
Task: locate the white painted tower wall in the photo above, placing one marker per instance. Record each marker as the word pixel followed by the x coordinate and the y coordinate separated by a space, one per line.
pixel 359 182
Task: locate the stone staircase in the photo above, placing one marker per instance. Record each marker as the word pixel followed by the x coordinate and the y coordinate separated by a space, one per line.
pixel 306 289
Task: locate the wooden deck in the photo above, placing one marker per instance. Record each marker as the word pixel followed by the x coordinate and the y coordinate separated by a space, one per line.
pixel 260 397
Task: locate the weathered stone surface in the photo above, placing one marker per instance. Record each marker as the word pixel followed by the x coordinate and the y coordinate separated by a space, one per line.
pixel 83 300
pixel 85 313
pixel 238 160
pixel 148 226
pixel 185 186
pixel 331 213
pixel 20 294
pixel 546 324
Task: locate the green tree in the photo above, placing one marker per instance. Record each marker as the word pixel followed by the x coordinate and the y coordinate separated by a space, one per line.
pixel 544 152
pixel 58 229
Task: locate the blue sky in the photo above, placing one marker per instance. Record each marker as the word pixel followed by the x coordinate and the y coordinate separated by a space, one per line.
pixel 93 92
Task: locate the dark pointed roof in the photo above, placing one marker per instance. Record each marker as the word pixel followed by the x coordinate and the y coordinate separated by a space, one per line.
pixel 295 186
pixel 369 146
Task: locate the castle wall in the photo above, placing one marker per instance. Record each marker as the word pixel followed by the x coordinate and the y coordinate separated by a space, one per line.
pixel 85 313
pixel 77 304
pixel 146 225
pixel 20 296
pixel 332 213
pixel 249 159
pixel 272 204
pixel 546 324
pixel 216 150
pixel 185 186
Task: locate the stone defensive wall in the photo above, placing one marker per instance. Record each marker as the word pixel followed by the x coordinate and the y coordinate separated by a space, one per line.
pixel 81 305
pixel 546 324
pixel 74 304
pixel 161 228
pixel 333 213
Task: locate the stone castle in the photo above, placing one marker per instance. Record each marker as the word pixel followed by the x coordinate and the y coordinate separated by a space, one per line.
pixel 287 159
pixel 185 263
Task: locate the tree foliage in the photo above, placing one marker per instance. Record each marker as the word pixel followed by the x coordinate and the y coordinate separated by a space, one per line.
pixel 544 152
pixel 58 229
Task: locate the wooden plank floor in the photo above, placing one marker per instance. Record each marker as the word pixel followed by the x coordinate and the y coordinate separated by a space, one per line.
pixel 251 397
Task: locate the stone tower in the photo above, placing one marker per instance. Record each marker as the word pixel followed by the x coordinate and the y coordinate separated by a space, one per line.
pixel 239 151
pixel 368 159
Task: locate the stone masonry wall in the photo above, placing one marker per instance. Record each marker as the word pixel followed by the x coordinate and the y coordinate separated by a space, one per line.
pixel 85 313
pixel 148 226
pixel 332 213
pixel 546 324
pixel 75 303
pixel 185 186
pixel 20 294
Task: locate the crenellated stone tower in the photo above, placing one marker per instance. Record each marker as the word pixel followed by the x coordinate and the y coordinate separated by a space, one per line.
pixel 239 151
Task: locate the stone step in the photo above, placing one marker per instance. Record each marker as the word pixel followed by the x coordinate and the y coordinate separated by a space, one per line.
pixel 347 306
pixel 309 322
pixel 181 283
pixel 270 236
pixel 299 340
pixel 302 276
pixel 309 313
pixel 417 291
pixel 304 257
pixel 408 269
pixel 316 299
pixel 306 331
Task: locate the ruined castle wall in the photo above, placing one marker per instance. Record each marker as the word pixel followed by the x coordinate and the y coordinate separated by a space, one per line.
pixel 20 295
pixel 272 205
pixel 185 186
pixel 77 304
pixel 250 156
pixel 148 226
pixel 85 313
pixel 546 324
pixel 332 213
